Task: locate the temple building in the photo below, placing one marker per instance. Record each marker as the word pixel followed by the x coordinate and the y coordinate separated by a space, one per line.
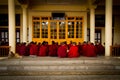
pixel 60 20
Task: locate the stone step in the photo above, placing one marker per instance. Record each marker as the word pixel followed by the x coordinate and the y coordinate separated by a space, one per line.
pixel 58 67
pixel 59 61
pixel 63 72
pixel 63 77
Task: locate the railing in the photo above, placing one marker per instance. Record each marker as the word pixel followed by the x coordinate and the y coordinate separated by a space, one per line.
pixel 4 51
pixel 115 50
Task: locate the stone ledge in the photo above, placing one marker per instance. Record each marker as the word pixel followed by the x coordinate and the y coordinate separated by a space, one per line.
pixel 48 73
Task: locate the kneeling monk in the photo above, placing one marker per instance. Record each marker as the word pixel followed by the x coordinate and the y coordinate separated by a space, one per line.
pixel 73 52
pixel 62 51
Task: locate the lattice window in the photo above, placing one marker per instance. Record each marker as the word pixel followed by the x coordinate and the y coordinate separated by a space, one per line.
pixel 62 30
pixel 70 29
pixel 44 29
pixel 78 29
pixel 36 29
pixel 53 30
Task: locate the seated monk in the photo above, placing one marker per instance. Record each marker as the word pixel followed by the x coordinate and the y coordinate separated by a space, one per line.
pixel 91 50
pixel 53 49
pixel 33 49
pixel 43 50
pixel 73 52
pixel 62 50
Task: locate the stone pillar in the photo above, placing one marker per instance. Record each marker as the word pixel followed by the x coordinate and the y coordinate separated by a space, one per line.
pixel 12 30
pixel 92 24
pixel 85 27
pixel 108 27
pixel 24 7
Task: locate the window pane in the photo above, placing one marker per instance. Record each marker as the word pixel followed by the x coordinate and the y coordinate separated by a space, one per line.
pixel 44 29
pixel 53 29
pixel 70 29
pixel 62 30
pixel 79 29
pixel 36 29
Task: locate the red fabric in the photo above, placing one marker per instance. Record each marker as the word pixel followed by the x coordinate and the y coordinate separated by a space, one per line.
pixel 73 52
pixel 43 50
pixel 22 50
pixel 100 50
pixel 18 48
pixel 52 50
pixel 90 51
pixel 84 50
pixel 33 49
pixel 62 51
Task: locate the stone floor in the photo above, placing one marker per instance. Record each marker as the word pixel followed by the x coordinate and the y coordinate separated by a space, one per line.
pixel 54 68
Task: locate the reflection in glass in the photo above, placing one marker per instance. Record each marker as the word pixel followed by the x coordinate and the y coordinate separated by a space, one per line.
pixel 36 29
pixel 53 30
pixel 78 29
pixel 70 29
pixel 62 30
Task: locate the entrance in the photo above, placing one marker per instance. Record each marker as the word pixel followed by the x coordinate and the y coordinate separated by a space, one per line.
pixel 58 30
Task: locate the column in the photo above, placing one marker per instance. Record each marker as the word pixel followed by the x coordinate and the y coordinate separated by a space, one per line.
pixel 108 27
pixel 92 25
pixel 11 14
pixel 24 7
pixel 85 26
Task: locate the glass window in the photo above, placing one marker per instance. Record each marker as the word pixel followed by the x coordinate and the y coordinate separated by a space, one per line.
pixel 62 30
pixel 53 30
pixel 70 29
pixel 36 29
pixel 44 29
pixel 78 29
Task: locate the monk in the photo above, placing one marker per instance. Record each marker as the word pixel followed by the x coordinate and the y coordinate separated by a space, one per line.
pixel 84 48
pixel 73 52
pixel 62 50
pixel 100 49
pixel 23 49
pixel 91 50
pixel 43 49
pixel 53 49
pixel 33 49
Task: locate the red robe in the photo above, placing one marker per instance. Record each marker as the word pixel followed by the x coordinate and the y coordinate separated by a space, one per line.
pixel 100 50
pixel 33 49
pixel 62 51
pixel 84 49
pixel 90 51
pixel 73 52
pixel 22 50
pixel 52 50
pixel 43 50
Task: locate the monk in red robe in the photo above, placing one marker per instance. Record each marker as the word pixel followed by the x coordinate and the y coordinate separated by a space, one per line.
pixel 100 49
pixel 84 48
pixel 62 50
pixel 91 50
pixel 53 49
pixel 43 50
pixel 73 52
pixel 23 49
pixel 33 49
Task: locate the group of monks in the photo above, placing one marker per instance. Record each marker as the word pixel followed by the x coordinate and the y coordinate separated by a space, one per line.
pixel 63 50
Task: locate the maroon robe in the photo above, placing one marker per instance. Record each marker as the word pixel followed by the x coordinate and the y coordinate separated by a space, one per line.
pixel 43 50
pixel 53 50
pixel 62 51
pixel 100 50
pixel 90 51
pixel 73 52
pixel 22 50
pixel 33 49
pixel 84 49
